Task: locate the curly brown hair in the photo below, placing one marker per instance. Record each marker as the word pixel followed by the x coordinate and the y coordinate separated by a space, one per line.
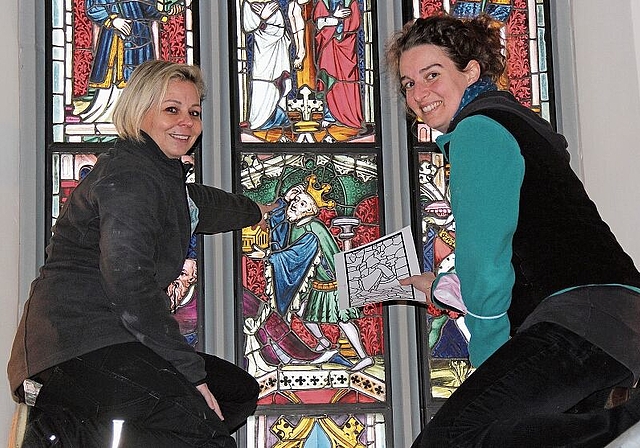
pixel 463 40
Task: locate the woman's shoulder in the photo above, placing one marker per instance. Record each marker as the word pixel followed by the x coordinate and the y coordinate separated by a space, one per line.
pixel 481 129
pixel 475 132
pixel 141 160
pixel 482 143
pixel 123 172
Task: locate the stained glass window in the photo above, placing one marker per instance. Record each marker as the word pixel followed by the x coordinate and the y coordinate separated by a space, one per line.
pixel 92 48
pixel 301 77
pixel 291 267
pixel 298 344
pixel 524 28
pixel 292 431
pixel 307 139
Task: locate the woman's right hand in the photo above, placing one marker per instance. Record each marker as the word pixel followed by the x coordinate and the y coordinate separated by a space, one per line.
pixel 210 399
pixel 265 209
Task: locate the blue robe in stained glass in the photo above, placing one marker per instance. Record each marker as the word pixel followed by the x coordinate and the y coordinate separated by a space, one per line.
pixel 117 54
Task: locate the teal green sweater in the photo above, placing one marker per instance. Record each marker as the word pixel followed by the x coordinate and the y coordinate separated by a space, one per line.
pixel 487 170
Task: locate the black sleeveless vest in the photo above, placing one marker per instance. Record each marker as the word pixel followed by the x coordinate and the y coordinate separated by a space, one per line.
pixel 560 241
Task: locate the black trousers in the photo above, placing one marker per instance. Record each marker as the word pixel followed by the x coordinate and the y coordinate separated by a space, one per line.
pixel 85 400
pixel 526 395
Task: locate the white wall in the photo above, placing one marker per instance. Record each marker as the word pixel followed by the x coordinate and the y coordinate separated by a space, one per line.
pixel 9 198
pixel 607 53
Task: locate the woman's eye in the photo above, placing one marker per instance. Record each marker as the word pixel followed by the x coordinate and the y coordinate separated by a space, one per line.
pixel 171 110
pixel 195 113
pixel 407 85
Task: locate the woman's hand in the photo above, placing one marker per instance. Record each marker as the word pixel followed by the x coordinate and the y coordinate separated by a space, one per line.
pixel 421 282
pixel 210 399
pixel 264 210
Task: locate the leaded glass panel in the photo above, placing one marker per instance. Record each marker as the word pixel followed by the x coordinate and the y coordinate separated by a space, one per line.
pixel 68 170
pixel 328 431
pixel 305 74
pixel 95 45
pixel 299 345
pixel 447 335
pixel 304 77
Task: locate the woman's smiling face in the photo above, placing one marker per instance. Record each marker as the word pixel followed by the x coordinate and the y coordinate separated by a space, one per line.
pixel 433 85
pixel 176 124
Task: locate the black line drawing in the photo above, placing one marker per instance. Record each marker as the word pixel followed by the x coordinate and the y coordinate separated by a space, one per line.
pixel 370 273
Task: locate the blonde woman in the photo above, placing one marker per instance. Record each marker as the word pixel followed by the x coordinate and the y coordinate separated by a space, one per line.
pixel 97 343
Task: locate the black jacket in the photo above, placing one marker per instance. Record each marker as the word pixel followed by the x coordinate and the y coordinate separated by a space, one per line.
pixel 561 241
pixel 120 240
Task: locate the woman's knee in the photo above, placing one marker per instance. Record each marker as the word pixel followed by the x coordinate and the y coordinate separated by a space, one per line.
pixel 252 389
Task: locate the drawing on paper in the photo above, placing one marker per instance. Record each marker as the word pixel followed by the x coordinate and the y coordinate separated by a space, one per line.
pixel 370 273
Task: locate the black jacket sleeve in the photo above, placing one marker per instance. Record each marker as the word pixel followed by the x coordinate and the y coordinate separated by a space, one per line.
pixel 220 211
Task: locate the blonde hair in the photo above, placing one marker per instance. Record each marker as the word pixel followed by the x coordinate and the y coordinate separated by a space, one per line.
pixel 145 89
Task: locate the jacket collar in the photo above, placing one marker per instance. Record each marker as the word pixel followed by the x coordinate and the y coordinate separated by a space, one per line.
pixel 149 149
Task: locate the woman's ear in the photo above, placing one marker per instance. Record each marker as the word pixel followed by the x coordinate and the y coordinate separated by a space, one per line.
pixel 472 70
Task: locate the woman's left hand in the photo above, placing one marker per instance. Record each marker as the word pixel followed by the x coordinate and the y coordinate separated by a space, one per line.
pixel 210 399
pixel 421 282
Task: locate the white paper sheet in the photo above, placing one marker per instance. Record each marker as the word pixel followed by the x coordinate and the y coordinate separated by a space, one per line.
pixel 370 273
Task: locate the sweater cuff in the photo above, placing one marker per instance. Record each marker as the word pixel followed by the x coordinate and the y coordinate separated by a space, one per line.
pixel 202 381
pixel 487 336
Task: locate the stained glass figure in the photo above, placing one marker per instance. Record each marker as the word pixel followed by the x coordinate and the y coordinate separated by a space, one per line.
pixel 299 344
pixel 96 44
pixel 305 71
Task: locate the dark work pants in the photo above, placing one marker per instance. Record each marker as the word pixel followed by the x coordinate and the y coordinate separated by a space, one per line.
pixel 526 395
pixel 82 397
